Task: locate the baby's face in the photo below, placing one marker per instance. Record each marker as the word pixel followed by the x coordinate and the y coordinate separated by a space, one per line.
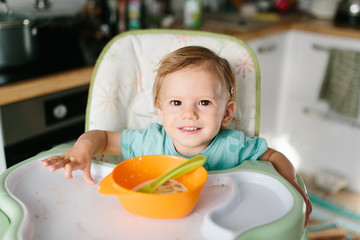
pixel 193 105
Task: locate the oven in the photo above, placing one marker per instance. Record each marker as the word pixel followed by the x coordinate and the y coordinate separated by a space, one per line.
pixel 38 124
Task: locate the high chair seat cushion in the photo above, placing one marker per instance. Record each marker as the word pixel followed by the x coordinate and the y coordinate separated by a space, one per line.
pixel 121 88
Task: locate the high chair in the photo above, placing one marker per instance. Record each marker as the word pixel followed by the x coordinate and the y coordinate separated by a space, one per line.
pixel 251 201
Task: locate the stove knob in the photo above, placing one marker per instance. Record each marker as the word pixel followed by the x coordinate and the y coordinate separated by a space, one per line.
pixel 60 111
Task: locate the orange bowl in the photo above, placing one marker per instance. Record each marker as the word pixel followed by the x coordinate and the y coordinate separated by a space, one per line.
pixel 136 171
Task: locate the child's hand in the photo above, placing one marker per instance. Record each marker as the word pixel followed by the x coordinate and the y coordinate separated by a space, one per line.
pixel 308 209
pixel 287 170
pixel 307 201
pixel 71 160
pixel 80 155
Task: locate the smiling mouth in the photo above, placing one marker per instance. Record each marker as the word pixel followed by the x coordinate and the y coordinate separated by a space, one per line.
pixel 189 130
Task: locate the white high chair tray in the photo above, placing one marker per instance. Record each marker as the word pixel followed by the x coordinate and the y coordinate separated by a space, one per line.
pixel 57 208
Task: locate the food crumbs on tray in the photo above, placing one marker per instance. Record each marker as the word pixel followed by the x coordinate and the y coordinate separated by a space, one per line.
pixel 80 227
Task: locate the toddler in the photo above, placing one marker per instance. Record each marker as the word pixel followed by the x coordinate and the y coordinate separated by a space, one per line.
pixel 194 95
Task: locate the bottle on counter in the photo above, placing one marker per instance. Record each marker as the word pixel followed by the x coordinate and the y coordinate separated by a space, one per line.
pixel 153 11
pixel 192 14
pixel 134 14
pixel 95 30
pixel 121 10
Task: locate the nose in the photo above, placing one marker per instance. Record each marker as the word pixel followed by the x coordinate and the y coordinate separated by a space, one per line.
pixel 189 113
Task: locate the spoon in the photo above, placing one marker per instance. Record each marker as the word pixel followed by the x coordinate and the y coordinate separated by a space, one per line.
pixel 179 171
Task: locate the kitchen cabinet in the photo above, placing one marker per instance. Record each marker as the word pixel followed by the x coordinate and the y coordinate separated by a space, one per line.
pixel 293 119
pixel 324 140
pixel 270 52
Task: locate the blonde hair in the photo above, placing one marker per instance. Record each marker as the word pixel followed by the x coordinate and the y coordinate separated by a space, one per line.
pixel 194 57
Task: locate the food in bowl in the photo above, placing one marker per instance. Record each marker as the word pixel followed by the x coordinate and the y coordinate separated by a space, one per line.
pixel 170 186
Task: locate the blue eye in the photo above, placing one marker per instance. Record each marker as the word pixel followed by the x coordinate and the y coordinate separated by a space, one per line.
pixel 175 102
pixel 204 102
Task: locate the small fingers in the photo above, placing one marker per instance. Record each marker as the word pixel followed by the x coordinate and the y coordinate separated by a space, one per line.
pixel 68 169
pixel 88 178
pixel 72 166
pixel 56 162
pixel 49 161
pixel 69 164
pixel 308 211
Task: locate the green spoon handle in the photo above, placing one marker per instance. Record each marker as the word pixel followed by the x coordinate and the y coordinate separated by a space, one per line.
pixel 178 171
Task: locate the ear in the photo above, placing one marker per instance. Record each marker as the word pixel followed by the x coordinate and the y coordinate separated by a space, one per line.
pixel 158 109
pixel 229 113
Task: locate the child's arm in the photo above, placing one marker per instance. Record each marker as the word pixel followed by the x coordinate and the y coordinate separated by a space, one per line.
pixel 80 155
pixel 284 167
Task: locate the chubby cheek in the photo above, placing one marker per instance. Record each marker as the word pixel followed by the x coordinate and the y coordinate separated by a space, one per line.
pixel 165 116
pixel 219 117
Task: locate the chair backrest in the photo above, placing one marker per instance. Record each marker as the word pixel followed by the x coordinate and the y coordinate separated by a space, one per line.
pixel 120 95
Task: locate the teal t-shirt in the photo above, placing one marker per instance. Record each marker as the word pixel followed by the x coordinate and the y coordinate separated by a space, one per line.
pixel 227 150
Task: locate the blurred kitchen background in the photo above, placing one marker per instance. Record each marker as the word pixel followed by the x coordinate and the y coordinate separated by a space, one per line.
pixel 298 44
